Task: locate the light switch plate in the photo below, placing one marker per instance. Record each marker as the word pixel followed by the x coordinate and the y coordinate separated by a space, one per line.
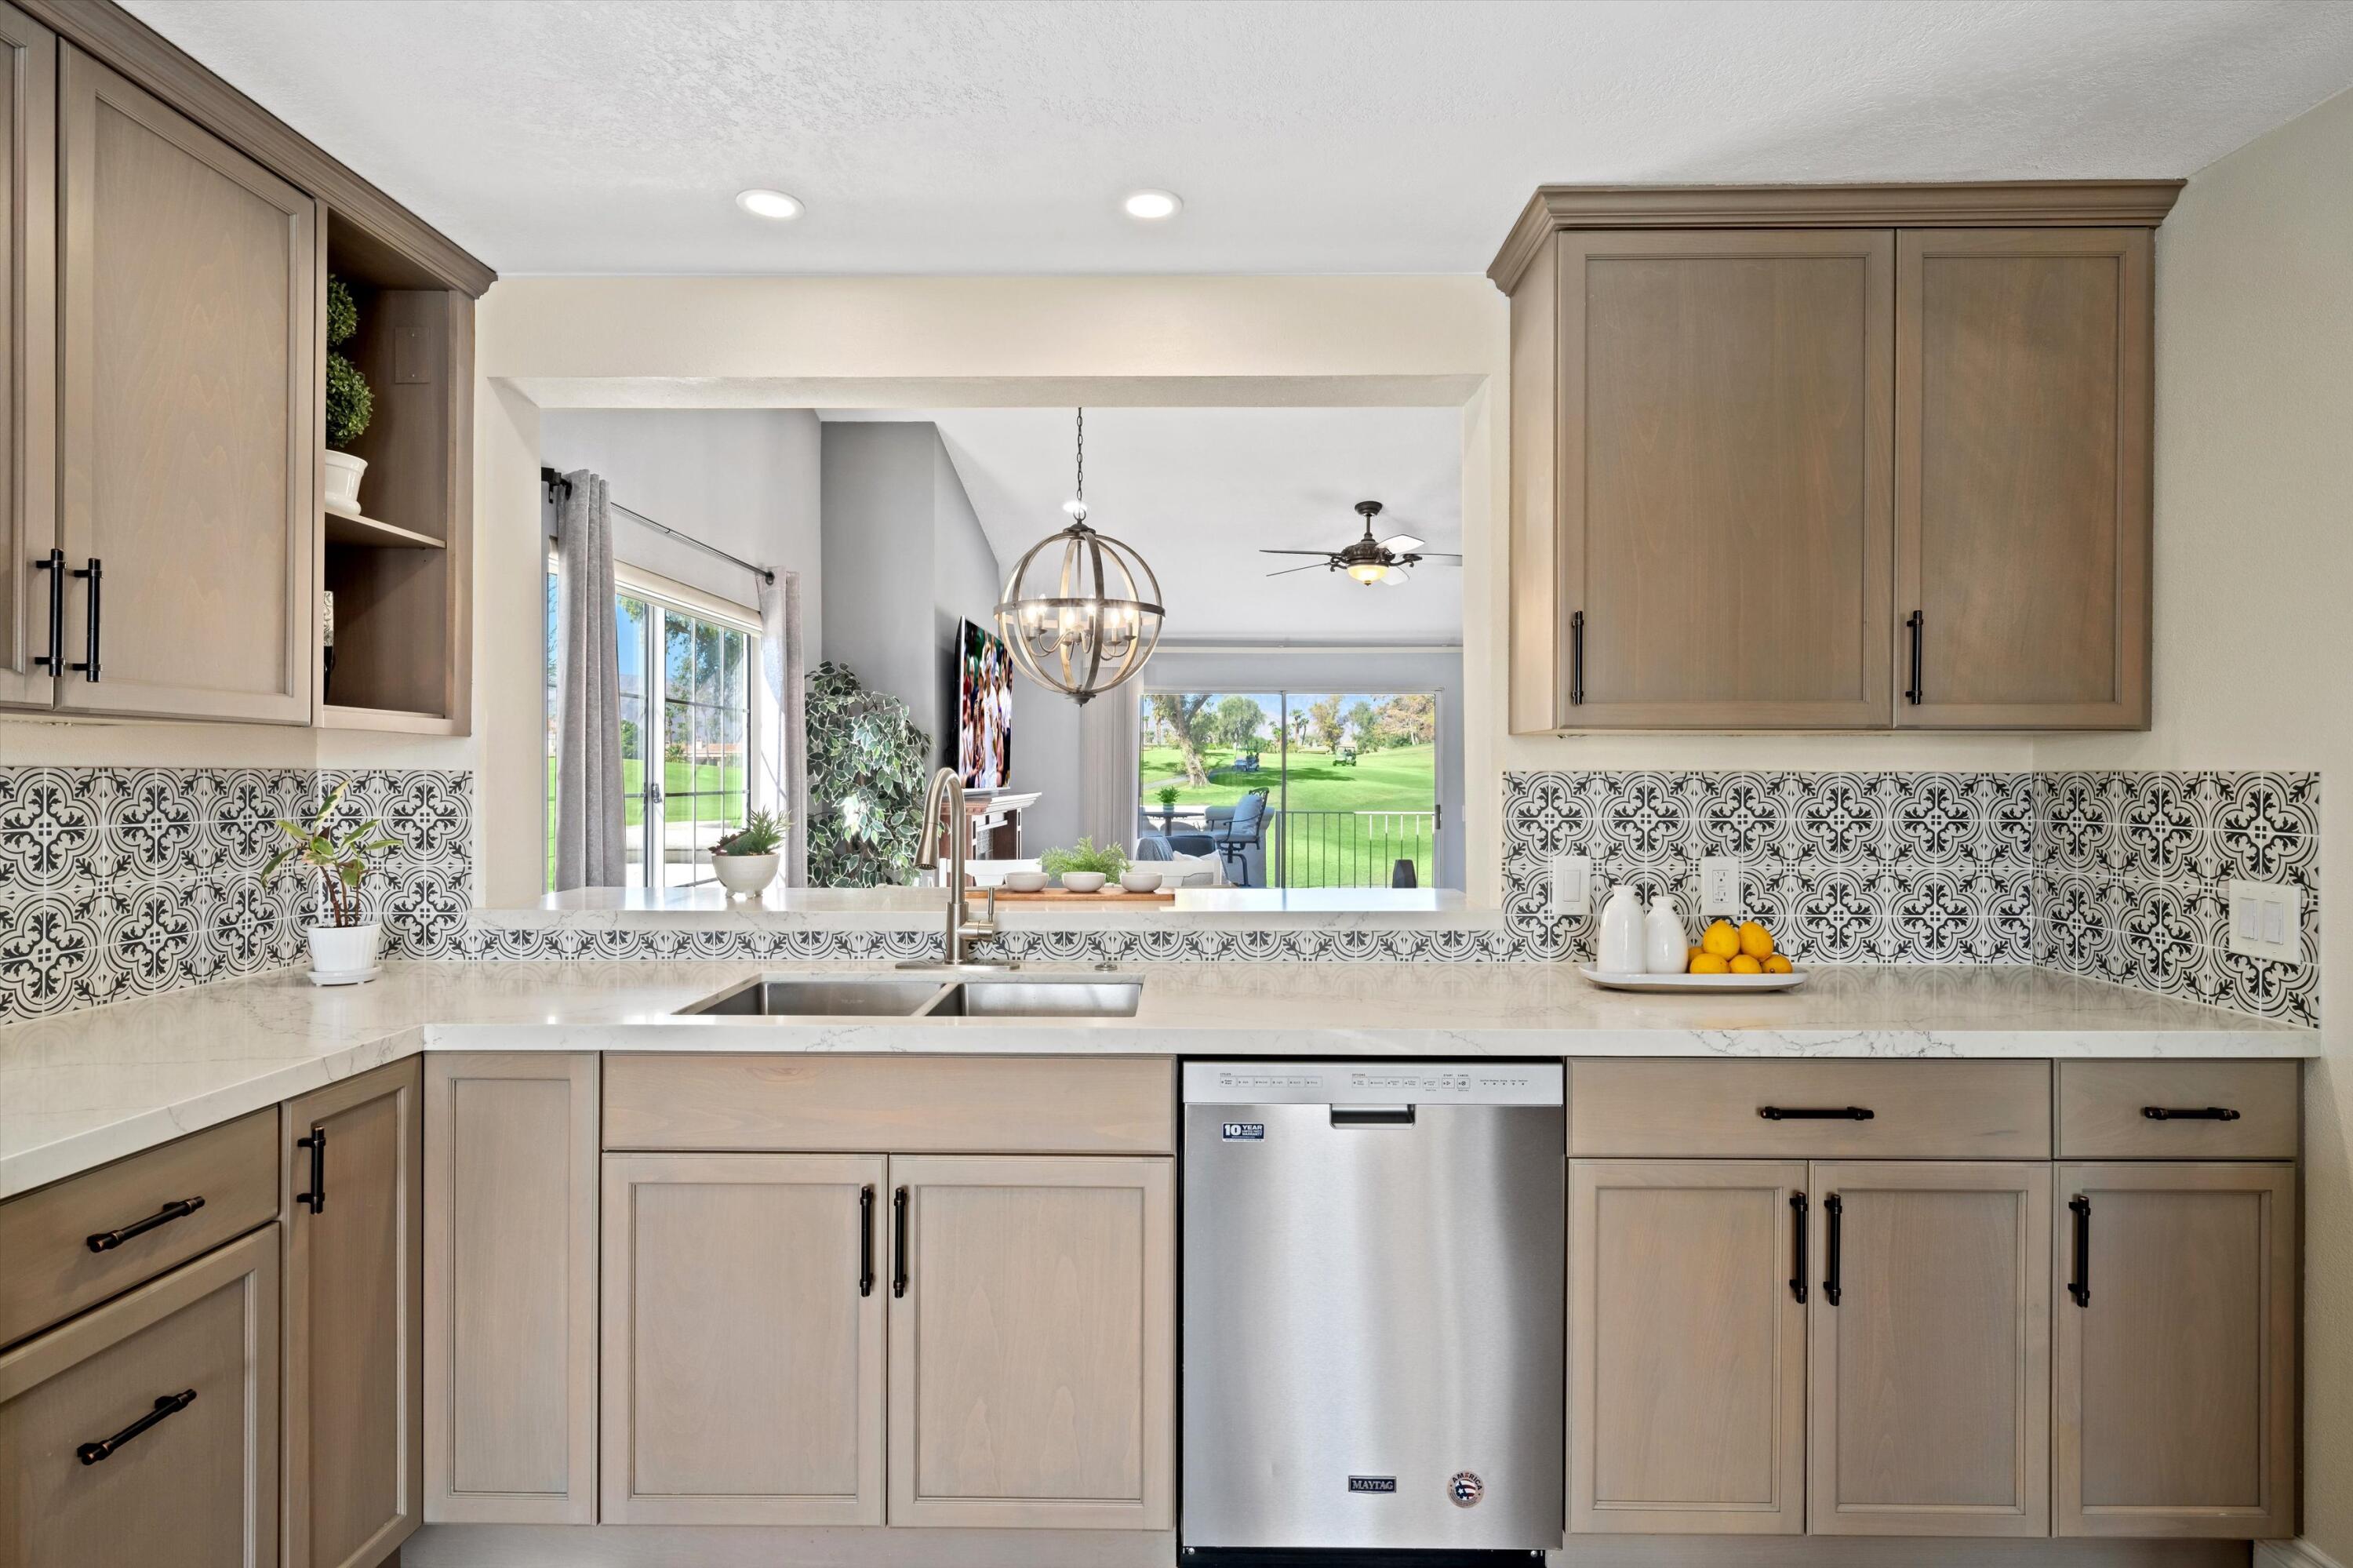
pixel 2268 920
pixel 1719 884
pixel 1569 886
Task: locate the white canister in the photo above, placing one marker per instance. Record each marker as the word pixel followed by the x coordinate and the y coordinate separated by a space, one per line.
pixel 1619 950
pixel 1665 950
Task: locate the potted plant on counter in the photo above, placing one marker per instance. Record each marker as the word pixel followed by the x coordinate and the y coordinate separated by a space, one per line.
pixel 344 951
pixel 1082 867
pixel 747 859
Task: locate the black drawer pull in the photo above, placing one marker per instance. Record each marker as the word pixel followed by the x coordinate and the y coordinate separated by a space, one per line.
pixel 2205 1113
pixel 1797 1280
pixel 315 1200
pixel 1914 693
pixel 1815 1113
pixel 899 1242
pixel 1835 1211
pixel 1576 659
pixel 866 1241
pixel 88 666
pixel 2080 1287
pixel 54 661
pixel 169 1405
pixel 178 1209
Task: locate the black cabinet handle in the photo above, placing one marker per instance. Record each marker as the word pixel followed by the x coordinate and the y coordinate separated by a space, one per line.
pixel 2204 1113
pixel 2080 1286
pixel 88 666
pixel 315 1200
pixel 178 1209
pixel 1912 692
pixel 1835 1211
pixel 169 1405
pixel 1815 1113
pixel 1577 658
pixel 866 1241
pixel 1797 1280
pixel 54 661
pixel 899 1242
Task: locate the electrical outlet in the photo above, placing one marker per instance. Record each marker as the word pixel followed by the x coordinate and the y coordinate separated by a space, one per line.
pixel 2268 920
pixel 1569 890
pixel 1719 884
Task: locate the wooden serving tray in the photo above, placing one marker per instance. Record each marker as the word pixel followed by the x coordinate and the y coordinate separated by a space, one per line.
pixel 1110 894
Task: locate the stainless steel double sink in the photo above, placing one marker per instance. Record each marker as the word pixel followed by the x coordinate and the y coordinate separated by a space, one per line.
pixel 901 996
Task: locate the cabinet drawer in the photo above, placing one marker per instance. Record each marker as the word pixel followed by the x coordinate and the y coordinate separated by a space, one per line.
pixel 52 1271
pixel 1919 1110
pixel 903 1104
pixel 2104 1110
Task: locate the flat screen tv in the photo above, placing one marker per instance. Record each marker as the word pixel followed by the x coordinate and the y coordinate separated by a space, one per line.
pixel 984 708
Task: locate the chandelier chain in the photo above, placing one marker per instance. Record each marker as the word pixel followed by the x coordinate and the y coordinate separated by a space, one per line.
pixel 1082 455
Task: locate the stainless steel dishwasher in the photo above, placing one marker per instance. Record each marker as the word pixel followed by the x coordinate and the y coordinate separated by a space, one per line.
pixel 1373 1307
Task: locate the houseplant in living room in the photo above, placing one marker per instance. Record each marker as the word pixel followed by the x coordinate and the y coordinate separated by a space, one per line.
pixel 342 952
pixel 350 404
pixel 747 859
pixel 1082 867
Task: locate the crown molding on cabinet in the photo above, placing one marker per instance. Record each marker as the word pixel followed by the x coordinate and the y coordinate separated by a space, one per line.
pixel 1988 204
pixel 156 63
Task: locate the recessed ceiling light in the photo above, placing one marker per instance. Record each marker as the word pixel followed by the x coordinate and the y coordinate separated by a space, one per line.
pixel 1152 205
pixel 768 204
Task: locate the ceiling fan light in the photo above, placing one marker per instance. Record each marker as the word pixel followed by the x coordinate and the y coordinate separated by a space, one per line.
pixel 1368 572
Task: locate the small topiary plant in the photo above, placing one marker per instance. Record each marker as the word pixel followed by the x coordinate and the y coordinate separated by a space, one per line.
pixel 350 404
pixel 1083 857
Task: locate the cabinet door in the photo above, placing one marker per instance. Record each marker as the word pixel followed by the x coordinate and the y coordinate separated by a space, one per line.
pixel 1931 1350
pixel 29 346
pixel 743 1339
pixel 1723 479
pixel 179 1381
pixel 2176 1351
pixel 1033 1342
pixel 355 1474
pixel 1687 1331
pixel 510 1287
pixel 188 428
pixel 2023 427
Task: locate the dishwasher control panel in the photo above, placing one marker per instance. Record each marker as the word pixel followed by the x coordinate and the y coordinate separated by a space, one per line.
pixel 1278 1083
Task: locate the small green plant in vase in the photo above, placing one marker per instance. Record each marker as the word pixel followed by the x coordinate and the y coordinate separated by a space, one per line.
pixel 350 403
pixel 746 860
pixel 1166 795
pixel 342 952
pixel 1082 867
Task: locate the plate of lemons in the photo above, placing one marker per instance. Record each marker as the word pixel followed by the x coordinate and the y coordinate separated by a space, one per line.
pixel 1728 958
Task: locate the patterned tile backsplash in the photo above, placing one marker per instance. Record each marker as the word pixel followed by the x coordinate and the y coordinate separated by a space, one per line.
pixel 122 882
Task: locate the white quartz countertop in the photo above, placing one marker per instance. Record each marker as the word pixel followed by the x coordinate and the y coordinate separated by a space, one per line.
pixel 707 908
pixel 87 1087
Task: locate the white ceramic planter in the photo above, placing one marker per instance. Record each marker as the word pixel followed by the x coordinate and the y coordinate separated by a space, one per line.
pixel 1083 881
pixel 343 472
pixel 343 954
pixel 743 875
pixel 1136 880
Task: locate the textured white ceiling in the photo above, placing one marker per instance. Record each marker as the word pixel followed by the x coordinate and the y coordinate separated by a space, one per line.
pixel 1311 136
pixel 1200 490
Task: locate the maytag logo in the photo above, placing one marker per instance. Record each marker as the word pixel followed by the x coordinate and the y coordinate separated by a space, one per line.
pixel 1246 1131
pixel 1372 1483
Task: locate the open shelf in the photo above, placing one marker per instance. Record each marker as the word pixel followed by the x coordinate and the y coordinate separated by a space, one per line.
pixel 345 530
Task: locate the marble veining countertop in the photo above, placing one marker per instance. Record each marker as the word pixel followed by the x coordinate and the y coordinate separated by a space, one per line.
pixel 87 1087
pixel 707 908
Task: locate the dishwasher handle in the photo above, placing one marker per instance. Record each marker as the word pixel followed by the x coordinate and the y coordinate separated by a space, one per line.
pixel 1372 1116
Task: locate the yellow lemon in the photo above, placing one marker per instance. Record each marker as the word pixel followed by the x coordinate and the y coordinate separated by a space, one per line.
pixel 1709 964
pixel 1776 965
pixel 1691 954
pixel 1755 940
pixel 1721 939
pixel 1746 965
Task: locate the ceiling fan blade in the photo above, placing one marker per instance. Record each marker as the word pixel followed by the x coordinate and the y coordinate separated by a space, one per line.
pixel 1288 570
pixel 1401 545
pixel 1394 577
pixel 1437 556
pixel 1325 554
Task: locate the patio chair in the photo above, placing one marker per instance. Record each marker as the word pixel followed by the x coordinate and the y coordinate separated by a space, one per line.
pixel 1237 829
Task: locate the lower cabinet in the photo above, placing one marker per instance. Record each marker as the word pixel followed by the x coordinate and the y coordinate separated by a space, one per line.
pixel 2176 1376
pixel 353 1170
pixel 146 1431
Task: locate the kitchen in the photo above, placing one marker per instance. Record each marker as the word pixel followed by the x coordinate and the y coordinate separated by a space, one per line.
pixel 603 1279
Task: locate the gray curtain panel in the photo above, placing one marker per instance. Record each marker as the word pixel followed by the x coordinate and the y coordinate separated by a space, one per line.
pixel 784 728
pixel 1109 739
pixel 588 811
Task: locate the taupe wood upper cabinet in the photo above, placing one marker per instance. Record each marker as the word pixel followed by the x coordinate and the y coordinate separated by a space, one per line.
pixel 1033 1345
pixel 1687 1344
pixel 2176 1373
pixel 28 340
pixel 193 1356
pixel 352 1167
pixel 1931 1349
pixel 2023 397
pixel 187 424
pixel 510 1287
pixel 743 1338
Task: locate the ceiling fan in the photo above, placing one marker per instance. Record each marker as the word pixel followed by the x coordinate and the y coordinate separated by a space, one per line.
pixel 1368 560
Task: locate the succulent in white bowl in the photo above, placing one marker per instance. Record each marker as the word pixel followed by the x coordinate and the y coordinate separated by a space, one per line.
pixel 747 859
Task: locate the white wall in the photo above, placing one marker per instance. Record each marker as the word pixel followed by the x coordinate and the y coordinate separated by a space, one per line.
pixel 2254 494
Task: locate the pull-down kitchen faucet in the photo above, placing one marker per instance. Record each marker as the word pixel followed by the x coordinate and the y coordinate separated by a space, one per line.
pixel 944 812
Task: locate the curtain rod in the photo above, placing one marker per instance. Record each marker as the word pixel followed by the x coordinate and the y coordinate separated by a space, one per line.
pixel 554 480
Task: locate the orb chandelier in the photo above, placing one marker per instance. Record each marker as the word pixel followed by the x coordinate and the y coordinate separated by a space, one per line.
pixel 1081 611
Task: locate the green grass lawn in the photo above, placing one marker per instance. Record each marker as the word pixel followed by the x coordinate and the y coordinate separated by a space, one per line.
pixel 1320 850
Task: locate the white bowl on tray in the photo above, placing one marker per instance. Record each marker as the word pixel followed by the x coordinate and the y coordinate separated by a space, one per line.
pixel 1688 984
pixel 1083 881
pixel 1026 881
